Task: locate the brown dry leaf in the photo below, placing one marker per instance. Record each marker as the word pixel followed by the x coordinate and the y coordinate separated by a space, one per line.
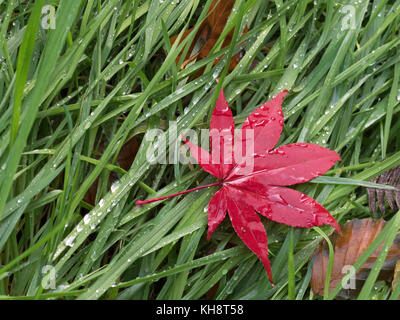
pixel 396 275
pixel 124 160
pixel 357 236
pixel 209 33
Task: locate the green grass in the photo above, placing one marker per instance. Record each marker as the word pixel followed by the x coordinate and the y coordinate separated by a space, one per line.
pixel 108 69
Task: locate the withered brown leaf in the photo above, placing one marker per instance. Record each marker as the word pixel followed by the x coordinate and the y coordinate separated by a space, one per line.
pixel 357 236
pixel 396 275
pixel 209 32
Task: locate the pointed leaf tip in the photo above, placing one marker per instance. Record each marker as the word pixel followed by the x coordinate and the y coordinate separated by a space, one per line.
pixel 287 165
pixel 284 92
pixel 248 226
pixel 203 158
pixel 263 127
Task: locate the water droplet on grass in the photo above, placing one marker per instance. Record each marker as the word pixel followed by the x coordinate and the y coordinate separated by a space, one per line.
pixel 114 186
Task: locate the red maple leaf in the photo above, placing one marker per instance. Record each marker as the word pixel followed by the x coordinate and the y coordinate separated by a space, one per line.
pixel 255 182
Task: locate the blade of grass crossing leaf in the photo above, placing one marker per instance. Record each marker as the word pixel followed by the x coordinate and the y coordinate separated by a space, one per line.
pixel 348 181
pixel 376 269
pixel 389 229
pixel 396 293
pixel 330 262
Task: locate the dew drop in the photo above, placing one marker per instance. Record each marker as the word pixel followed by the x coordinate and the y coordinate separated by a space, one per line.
pixel 69 241
pixel 86 219
pixel 114 186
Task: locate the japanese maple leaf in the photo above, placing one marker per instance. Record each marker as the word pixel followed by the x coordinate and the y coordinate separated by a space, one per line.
pixel 258 186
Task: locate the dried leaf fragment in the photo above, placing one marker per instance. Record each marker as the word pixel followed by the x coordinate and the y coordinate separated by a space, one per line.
pixel 209 33
pixel 391 178
pixel 357 235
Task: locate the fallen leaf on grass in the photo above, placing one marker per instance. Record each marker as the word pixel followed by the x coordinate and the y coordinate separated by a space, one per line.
pixel 357 235
pixel 209 33
pixel 396 275
pixel 255 182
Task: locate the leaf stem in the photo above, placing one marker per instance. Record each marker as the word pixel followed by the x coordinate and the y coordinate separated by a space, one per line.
pixel 142 202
